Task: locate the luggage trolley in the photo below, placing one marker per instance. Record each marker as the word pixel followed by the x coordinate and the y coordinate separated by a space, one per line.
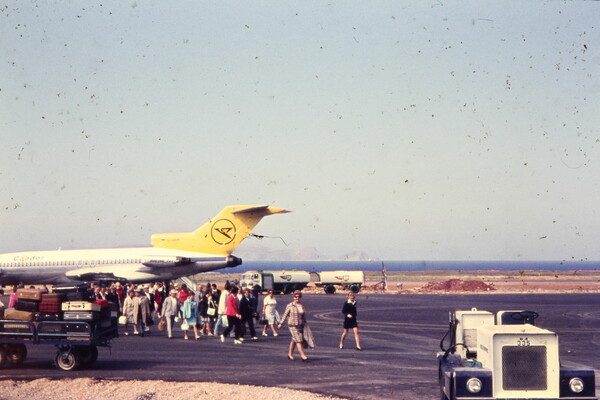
pixel 77 342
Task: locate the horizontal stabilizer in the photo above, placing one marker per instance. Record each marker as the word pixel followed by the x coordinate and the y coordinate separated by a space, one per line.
pixel 264 209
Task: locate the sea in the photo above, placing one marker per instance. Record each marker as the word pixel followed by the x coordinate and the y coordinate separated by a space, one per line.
pixel 402 265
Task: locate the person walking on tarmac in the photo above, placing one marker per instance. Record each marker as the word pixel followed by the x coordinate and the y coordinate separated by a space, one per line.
pixel 270 313
pixel 129 306
pixel 190 315
pixel 233 316
pixel 222 300
pixel 248 312
pixel 349 311
pixel 141 311
pixel 295 314
pixel 170 311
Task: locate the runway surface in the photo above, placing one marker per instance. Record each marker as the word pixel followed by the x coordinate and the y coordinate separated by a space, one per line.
pixel 400 336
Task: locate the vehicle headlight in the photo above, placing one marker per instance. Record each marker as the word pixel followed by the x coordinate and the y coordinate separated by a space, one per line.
pixel 576 385
pixel 474 385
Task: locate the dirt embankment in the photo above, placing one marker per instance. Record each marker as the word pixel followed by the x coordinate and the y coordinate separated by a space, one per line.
pixel 457 285
pixel 485 281
pixel 100 389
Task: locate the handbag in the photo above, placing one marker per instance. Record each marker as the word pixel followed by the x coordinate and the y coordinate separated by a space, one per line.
pixel 263 320
pixel 185 326
pixel 211 311
pixel 123 320
pixel 162 325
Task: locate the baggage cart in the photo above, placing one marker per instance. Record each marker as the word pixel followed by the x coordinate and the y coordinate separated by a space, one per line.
pixel 77 342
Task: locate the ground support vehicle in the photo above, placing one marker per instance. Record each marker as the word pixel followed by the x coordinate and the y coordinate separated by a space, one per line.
pixel 279 281
pixel 506 357
pixel 76 342
pixel 349 280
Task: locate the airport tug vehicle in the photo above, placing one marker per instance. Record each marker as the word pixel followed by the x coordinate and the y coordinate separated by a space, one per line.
pixel 505 356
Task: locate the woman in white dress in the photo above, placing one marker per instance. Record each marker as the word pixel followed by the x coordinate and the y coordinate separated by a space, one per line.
pixel 270 312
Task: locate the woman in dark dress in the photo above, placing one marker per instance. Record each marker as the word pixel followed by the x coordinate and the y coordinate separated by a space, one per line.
pixel 349 311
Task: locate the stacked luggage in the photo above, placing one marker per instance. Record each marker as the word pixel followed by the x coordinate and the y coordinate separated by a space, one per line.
pixel 27 304
pixel 68 303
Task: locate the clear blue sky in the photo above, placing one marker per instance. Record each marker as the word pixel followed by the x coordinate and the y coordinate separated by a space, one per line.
pixel 405 129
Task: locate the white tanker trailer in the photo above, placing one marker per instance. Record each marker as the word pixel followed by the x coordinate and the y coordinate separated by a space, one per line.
pixel 350 280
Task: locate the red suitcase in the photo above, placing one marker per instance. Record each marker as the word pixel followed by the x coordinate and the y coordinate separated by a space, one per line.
pixel 49 307
pixel 103 303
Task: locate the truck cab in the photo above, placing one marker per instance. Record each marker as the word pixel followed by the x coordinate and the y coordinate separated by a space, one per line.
pixel 506 357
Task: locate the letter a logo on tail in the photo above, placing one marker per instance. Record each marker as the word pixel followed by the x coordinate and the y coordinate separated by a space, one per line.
pixel 223 231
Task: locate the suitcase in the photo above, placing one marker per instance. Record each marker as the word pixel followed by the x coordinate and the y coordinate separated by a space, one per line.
pixel 49 307
pixel 85 316
pixel 81 296
pixel 80 306
pixel 27 305
pixel 29 294
pixel 17 315
pixel 103 303
pixel 70 287
pixel 53 297
pixel 42 316
pixel 105 313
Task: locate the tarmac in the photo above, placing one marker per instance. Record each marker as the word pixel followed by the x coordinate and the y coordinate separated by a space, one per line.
pixel 400 337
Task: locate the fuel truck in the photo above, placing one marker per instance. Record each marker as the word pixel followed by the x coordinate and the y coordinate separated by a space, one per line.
pixel 506 356
pixel 279 281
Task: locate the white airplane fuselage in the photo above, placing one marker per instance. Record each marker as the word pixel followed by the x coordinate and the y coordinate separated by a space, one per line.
pixel 140 264
pixel 171 256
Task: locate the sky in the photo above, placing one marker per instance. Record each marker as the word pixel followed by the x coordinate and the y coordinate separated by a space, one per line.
pixel 405 130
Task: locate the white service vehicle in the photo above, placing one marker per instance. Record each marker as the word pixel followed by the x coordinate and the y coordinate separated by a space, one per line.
pixel 279 281
pixel 506 357
pixel 352 280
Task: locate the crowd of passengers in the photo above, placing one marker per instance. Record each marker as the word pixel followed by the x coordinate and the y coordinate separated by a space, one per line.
pixel 206 311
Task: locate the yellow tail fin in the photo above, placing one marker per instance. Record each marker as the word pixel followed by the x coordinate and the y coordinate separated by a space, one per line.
pixel 221 235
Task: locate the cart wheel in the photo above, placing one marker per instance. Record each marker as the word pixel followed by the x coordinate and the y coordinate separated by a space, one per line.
pixel 3 356
pixel 87 355
pixel 67 360
pixel 16 353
